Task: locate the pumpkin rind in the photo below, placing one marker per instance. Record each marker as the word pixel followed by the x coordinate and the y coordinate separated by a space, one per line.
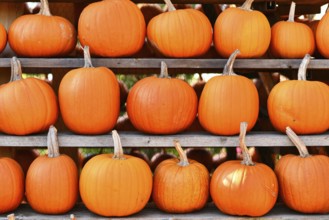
pixel 322 41
pixel 3 37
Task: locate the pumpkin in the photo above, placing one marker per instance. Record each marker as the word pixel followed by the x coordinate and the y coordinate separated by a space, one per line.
pixel 161 105
pixel 321 39
pixel 244 188
pixel 180 33
pixel 226 100
pixel 26 105
pixel 303 179
pixel 117 30
pixel 3 38
pixel 94 94
pixel 158 157
pixel 52 180
pixel 180 186
pixel 290 39
pixel 115 184
pixel 27 36
pixel 300 104
pixel 244 29
pixel 11 185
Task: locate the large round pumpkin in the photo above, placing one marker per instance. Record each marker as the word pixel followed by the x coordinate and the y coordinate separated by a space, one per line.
pixel 93 93
pixel 26 105
pixel 226 100
pixel 11 185
pixel 321 35
pixel 42 35
pixel 300 104
pixel 162 105
pixel 303 179
pixel 3 37
pixel 180 33
pixel 115 184
pixel 244 188
pixel 244 29
pixel 112 28
pixel 52 180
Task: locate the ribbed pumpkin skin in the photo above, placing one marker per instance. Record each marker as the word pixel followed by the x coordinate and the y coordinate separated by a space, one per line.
pixel 52 184
pixel 180 189
pixel 11 185
pixel 94 95
pixel 291 40
pixel 41 36
pixel 322 32
pixel 304 182
pixel 3 37
pixel 161 105
pixel 180 33
pixel 225 102
pixel 115 187
pixel 246 30
pixel 301 105
pixel 238 189
pixel 112 28
pixel 27 106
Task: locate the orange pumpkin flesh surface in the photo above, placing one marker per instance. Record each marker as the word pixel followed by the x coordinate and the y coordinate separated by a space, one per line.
pixel 89 99
pixel 243 29
pixel 3 37
pixel 26 105
pixel 303 179
pixel 300 104
pixel 226 100
pixel 52 181
pixel 180 186
pixel 115 184
pixel 161 105
pixel 321 36
pixel 244 188
pixel 112 28
pixel 42 35
pixel 11 185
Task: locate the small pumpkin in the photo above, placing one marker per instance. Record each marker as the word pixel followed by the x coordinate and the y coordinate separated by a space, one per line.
pixel 321 35
pixel 180 186
pixel 3 37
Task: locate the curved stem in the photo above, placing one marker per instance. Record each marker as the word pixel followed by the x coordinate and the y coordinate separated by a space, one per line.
pixel 164 70
pixel 247 5
pixel 303 152
pixel 183 161
pixel 303 67
pixel 87 57
pixel 228 68
pixel 200 77
pixel 44 8
pixel 52 142
pixel 170 5
pixel 118 151
pixel 291 17
pixel 245 153
pixel 16 69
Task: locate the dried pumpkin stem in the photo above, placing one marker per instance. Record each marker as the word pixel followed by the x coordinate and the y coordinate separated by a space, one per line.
pixel 183 161
pixel 170 5
pixel 87 57
pixel 303 67
pixel 291 17
pixel 44 8
pixel 118 151
pixel 52 142
pixel 247 5
pixel 303 152
pixel 16 70
pixel 242 141
pixel 228 68
pixel 164 70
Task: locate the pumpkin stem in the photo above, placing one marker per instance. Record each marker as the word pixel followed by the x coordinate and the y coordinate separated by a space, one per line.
pixel 52 142
pixel 228 68
pixel 183 161
pixel 170 5
pixel 87 57
pixel 291 17
pixel 16 70
pixel 44 8
pixel 164 70
pixel 245 153
pixel 303 67
pixel 118 151
pixel 247 5
pixel 303 152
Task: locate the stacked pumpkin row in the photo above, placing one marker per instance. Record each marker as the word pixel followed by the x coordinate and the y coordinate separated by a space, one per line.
pixel 119 30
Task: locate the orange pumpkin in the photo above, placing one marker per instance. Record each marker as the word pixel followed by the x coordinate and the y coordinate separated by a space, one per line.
pixel 303 179
pixel 26 105
pixel 321 35
pixel 300 104
pixel 244 188
pixel 3 38
pixel 94 94
pixel 52 181
pixel 291 39
pixel 42 35
pixel 112 28
pixel 180 186
pixel 161 105
pixel 180 33
pixel 226 100
pixel 11 185
pixel 244 29
pixel 115 184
